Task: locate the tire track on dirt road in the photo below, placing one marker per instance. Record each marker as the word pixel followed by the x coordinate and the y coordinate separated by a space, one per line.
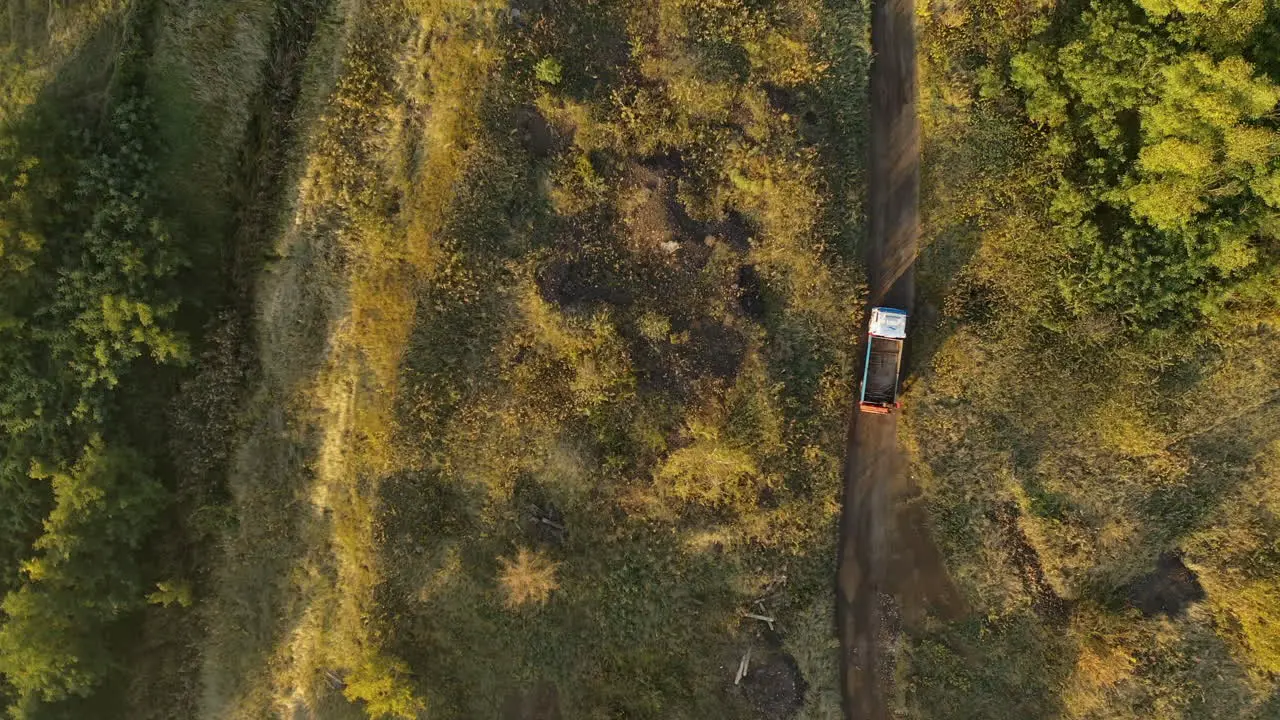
pixel 873 460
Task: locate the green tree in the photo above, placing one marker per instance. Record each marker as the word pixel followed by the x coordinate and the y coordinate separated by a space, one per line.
pixel 115 295
pixel 1169 190
pixel 83 577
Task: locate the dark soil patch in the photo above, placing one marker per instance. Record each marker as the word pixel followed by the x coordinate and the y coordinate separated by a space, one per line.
pixel 1044 599
pixel 668 164
pixel 719 349
pixel 528 7
pixel 649 208
pixel 582 280
pixel 797 105
pixel 536 134
pixel 782 99
pixel 750 292
pixel 1168 590
pixel 773 686
pixel 889 638
pixel 540 518
pixel 733 228
pixel 713 350
pixel 542 702
pixel 654 215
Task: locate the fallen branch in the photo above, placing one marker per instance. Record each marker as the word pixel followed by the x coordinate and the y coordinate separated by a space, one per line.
pixel 762 618
pixel 552 523
pixel 742 667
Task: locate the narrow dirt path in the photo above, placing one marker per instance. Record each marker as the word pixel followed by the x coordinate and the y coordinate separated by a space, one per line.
pixel 873 460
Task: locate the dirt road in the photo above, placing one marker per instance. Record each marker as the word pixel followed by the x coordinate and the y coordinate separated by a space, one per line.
pixel 873 462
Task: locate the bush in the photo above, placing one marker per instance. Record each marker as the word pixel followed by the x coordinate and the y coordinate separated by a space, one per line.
pixel 527 579
pixel 549 71
pixel 1166 202
pixel 710 470
pixel 53 644
pixel 381 683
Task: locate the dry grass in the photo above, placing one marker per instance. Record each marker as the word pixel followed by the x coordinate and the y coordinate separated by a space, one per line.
pixel 529 578
pixel 206 72
pixel 362 307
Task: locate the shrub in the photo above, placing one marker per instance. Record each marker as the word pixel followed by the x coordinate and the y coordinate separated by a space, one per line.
pixel 549 71
pixel 527 579
pixel 381 683
pixel 171 592
pixel 710 470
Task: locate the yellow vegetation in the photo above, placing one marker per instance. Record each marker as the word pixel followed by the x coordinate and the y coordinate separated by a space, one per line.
pixel 529 578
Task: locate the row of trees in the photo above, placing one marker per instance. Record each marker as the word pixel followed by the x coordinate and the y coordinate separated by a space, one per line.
pixel 88 303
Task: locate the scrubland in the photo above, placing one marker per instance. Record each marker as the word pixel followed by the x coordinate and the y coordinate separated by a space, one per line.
pixel 444 358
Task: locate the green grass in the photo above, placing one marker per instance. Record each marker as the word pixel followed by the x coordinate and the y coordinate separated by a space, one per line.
pixel 206 72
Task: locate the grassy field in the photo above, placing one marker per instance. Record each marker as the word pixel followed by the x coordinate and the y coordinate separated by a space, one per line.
pixel 493 359
pixel 580 405
pixel 405 421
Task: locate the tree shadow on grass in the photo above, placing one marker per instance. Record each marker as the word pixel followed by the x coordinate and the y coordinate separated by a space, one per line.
pixel 833 115
pixel 628 602
pixel 1165 514
pixel 1205 677
pixel 1012 668
pixel 1270 708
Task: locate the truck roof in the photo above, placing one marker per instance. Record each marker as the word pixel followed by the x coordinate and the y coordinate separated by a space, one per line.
pixel 889 322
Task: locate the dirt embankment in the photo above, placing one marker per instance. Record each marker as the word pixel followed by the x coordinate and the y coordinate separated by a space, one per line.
pixel 886 559
pixel 268 456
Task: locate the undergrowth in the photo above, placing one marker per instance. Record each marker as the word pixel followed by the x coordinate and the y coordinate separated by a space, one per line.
pixel 1095 398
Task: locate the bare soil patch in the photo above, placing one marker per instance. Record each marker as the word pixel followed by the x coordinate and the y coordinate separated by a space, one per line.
pixel 582 280
pixel 1169 590
pixel 535 133
pixel 920 583
pixel 773 686
pixel 750 292
pixel 1044 599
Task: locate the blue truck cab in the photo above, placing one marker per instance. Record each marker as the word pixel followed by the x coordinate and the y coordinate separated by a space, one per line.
pixel 886 335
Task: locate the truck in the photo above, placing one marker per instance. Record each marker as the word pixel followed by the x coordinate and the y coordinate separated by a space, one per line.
pixel 886 335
